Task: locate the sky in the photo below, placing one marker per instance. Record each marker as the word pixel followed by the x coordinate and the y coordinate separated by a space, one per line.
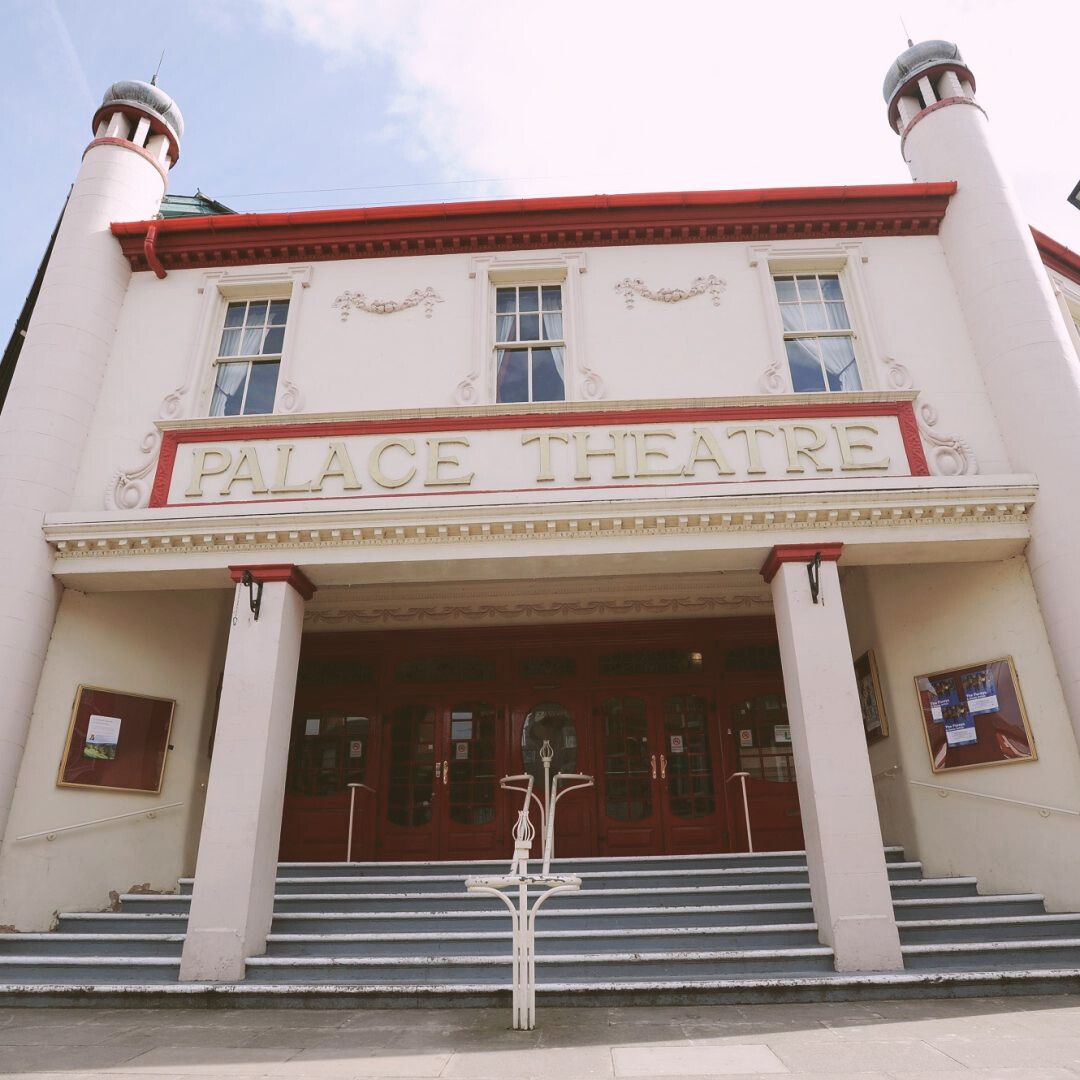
pixel 296 104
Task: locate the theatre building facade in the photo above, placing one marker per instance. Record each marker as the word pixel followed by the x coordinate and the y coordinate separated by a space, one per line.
pixel 758 507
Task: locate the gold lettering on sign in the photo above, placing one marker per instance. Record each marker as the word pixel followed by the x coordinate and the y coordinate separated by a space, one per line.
pixel 645 451
pixel 750 432
pixel 848 446
pixel 617 453
pixel 375 463
pixel 252 474
pixel 436 460
pixel 544 473
pixel 201 468
pixel 338 463
pixel 794 450
pixel 281 476
pixel 704 447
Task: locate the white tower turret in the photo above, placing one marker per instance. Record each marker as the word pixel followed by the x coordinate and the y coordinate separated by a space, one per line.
pixel 54 391
pixel 1022 345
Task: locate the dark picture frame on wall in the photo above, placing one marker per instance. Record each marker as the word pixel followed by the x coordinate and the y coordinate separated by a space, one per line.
pixel 974 716
pixel 116 741
pixel 875 721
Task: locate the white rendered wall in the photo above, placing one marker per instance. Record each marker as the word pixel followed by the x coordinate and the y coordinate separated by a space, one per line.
pixel 1024 350
pixel 161 644
pixel 921 619
pixel 48 411
pixel 655 350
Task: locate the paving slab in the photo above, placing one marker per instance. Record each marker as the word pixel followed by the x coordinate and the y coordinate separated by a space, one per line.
pixel 727 1060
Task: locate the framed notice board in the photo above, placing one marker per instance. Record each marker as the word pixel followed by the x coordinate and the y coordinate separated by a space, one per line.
pixel 875 722
pixel 116 741
pixel 975 716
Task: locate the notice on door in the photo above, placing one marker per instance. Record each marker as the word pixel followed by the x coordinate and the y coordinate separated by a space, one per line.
pixel 356 748
pixel 676 742
pixel 461 751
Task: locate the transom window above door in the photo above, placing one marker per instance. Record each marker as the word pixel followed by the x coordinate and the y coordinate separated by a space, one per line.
pixel 530 347
pixel 249 357
pixel 818 336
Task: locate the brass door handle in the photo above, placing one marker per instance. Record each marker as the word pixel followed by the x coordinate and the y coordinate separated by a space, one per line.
pixel 663 767
pixel 445 773
pixel 652 762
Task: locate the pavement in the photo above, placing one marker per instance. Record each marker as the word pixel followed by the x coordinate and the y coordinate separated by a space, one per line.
pixel 1007 1038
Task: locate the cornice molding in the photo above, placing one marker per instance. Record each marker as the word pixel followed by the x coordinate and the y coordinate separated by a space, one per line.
pixel 529 224
pixel 909 508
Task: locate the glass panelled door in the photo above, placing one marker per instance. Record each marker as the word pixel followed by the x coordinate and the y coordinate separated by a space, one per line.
pixel 694 818
pixel 660 771
pixel 408 825
pixel 470 778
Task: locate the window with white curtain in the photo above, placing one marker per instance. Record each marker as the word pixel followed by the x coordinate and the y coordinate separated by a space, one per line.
pixel 248 357
pixel 530 347
pixel 818 336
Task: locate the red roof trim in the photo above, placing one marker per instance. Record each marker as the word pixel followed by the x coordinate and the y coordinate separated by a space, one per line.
pixel 1057 256
pixel 522 224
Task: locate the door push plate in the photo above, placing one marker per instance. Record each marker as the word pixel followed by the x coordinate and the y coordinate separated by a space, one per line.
pixel 438 770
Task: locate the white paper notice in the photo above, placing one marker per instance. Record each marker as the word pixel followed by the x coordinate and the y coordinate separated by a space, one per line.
pixel 311 725
pixel 102 735
pixel 982 703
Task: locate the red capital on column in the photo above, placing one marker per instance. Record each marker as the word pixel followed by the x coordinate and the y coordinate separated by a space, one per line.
pixel 287 572
pixel 783 553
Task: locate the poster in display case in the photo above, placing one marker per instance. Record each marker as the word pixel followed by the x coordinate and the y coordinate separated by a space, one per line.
pixel 975 716
pixel 875 722
pixel 116 741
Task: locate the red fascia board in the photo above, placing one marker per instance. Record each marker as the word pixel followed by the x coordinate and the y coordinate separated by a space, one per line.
pixel 592 220
pixel 1057 256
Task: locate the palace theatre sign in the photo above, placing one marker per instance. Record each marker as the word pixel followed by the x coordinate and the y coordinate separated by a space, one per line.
pixel 502 455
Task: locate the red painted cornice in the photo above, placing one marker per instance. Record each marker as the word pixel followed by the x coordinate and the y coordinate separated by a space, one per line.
pixel 1057 256
pixel 519 224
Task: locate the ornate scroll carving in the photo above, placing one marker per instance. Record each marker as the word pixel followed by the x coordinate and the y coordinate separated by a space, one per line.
pixel 629 288
pixel 426 298
pixel 949 455
pixel 290 399
pixel 772 380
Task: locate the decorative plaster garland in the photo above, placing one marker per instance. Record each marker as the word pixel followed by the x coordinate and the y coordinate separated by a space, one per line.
pixel 629 288
pixel 949 455
pixel 426 297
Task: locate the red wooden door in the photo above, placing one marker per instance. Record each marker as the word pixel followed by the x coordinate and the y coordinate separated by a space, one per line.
pixel 692 798
pixel 760 744
pixel 407 792
pixel 562 720
pixel 470 806
pixel 331 748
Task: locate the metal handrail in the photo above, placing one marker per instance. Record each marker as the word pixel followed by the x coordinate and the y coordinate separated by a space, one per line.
pixel 746 807
pixel 352 809
pixel 50 834
pixel 1044 810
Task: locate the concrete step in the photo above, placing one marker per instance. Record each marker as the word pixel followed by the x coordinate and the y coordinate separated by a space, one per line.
pixel 571 968
pixel 648 878
pixel 497 942
pixel 628 918
pixel 972 906
pixel 74 945
pixel 121 922
pixel 89 970
pixel 993 955
pixel 1002 928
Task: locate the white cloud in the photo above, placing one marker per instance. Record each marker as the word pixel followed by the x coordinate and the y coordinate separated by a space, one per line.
pixel 598 95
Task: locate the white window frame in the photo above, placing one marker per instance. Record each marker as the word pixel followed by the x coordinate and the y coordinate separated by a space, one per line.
pixel 528 346
pixel 221 289
pixel 846 261
pixel 1068 298
pixel 488 272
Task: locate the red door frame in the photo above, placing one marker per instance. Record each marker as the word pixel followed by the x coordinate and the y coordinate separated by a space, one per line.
pixel 506 667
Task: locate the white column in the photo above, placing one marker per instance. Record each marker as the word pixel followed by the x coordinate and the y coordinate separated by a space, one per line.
pixel 844 851
pixel 48 412
pixel 233 897
pixel 1025 354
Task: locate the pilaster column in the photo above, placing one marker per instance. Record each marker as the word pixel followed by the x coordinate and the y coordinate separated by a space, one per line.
pixel 233 898
pixel 845 855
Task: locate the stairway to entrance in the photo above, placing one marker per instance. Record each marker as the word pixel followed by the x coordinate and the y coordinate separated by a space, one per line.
pixel 734 927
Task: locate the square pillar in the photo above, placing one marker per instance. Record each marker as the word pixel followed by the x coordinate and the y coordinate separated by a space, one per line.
pixel 233 898
pixel 845 855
